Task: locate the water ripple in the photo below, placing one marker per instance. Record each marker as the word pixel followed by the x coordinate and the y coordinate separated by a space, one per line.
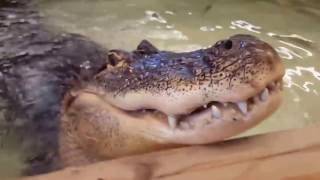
pixel 246 25
pixel 154 16
pixel 286 53
pixel 291 79
pixel 308 53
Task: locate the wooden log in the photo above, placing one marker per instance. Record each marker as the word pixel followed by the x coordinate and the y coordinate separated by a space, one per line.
pixel 292 155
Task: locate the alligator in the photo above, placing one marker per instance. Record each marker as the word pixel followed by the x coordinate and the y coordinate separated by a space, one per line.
pixel 74 102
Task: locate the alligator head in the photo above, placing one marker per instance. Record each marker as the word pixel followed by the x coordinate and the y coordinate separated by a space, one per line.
pixel 150 99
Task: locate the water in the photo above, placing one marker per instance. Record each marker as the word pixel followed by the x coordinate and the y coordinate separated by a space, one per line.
pixel 291 26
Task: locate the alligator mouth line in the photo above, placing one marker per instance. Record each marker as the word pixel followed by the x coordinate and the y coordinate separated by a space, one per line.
pixel 215 111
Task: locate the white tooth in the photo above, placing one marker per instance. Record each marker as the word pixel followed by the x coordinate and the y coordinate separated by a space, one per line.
pixel 205 106
pixel 216 113
pixel 172 122
pixel 264 95
pixel 243 106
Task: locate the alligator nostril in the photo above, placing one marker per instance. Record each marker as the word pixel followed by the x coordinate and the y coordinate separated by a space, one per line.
pixel 228 44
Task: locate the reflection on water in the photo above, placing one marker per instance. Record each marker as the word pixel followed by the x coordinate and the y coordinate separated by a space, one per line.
pixel 307 86
pixel 287 53
pixel 291 26
pixel 245 25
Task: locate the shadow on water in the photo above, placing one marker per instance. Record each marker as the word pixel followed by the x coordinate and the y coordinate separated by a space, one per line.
pixel 291 26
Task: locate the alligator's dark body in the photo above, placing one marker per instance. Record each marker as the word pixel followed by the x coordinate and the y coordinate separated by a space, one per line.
pixel 37 67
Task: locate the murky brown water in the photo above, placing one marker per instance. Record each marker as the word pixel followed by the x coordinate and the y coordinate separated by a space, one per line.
pixel 292 27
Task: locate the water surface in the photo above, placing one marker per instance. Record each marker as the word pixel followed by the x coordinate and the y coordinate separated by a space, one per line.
pixel 291 26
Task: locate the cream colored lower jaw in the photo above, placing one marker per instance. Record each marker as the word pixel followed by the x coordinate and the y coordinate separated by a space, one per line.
pixel 215 131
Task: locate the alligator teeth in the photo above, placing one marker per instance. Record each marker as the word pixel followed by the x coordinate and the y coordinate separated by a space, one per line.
pixel 243 106
pixel 216 113
pixel 264 95
pixel 172 121
pixel 205 106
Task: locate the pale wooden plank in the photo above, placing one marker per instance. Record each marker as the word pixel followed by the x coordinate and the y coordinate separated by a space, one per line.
pixel 293 154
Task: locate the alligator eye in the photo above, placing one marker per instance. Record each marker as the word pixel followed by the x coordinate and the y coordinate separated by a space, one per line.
pixel 112 61
pixel 119 58
pixel 227 44
pixel 114 57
